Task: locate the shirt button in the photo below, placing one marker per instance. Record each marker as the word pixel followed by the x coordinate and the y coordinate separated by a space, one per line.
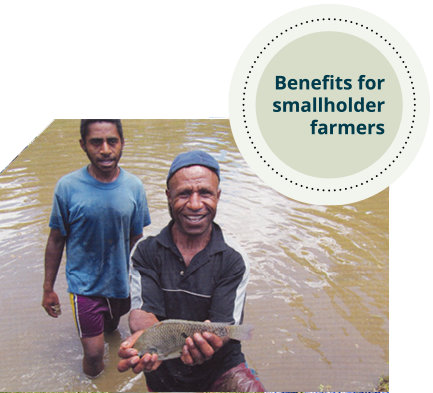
pixel 182 273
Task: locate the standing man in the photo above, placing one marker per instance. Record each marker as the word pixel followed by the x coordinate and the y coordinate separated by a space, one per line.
pixel 99 212
pixel 189 272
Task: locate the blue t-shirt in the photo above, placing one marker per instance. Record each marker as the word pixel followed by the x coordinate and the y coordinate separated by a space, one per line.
pixel 98 220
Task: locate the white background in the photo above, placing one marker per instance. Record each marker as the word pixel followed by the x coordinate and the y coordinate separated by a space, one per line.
pixel 142 59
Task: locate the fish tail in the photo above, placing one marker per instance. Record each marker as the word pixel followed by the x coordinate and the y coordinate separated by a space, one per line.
pixel 240 332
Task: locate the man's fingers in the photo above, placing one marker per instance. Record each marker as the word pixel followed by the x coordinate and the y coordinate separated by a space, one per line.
pixel 205 347
pixel 186 356
pixel 199 349
pixel 129 342
pixel 51 304
pixel 126 352
pixel 213 340
pixel 129 354
pixel 191 354
pixel 50 312
pixel 126 364
pixel 148 363
pixel 56 309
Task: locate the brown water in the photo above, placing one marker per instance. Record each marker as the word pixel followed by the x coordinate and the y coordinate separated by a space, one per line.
pixel 318 293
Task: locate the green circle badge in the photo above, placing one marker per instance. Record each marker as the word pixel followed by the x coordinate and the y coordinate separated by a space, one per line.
pixel 329 105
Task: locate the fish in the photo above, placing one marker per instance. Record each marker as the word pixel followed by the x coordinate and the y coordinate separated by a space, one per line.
pixel 167 338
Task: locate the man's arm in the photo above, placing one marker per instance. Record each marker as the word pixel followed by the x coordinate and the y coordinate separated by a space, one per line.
pixel 229 292
pixel 133 240
pixel 53 257
pixel 139 320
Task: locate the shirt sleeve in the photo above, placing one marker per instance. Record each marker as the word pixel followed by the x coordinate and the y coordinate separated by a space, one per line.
pixel 229 295
pixel 59 218
pixel 146 291
pixel 141 217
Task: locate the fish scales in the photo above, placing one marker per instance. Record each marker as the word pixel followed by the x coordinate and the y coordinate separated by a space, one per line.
pixel 167 338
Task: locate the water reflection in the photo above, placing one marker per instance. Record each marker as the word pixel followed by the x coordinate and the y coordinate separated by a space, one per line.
pixel 318 294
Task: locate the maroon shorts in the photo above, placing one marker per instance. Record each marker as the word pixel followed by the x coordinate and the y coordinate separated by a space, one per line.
pixel 94 315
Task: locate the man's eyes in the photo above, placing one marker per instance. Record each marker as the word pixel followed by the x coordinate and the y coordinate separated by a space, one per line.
pixel 111 141
pixel 204 193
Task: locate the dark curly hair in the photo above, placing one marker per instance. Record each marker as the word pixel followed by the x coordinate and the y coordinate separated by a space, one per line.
pixel 86 122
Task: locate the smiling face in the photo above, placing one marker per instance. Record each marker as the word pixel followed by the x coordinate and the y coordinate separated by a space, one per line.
pixel 103 146
pixel 193 196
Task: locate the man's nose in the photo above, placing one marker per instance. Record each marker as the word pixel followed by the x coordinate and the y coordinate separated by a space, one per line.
pixel 195 202
pixel 105 148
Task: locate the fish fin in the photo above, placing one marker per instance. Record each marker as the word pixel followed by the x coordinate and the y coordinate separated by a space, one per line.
pixel 240 332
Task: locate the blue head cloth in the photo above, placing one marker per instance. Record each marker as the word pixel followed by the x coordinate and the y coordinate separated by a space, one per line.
pixel 195 157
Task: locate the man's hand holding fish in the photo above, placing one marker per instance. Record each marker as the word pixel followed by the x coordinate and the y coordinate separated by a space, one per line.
pixel 201 347
pixel 130 358
pixel 195 350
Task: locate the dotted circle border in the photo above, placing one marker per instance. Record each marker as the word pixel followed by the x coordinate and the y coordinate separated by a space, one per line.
pixel 366 181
